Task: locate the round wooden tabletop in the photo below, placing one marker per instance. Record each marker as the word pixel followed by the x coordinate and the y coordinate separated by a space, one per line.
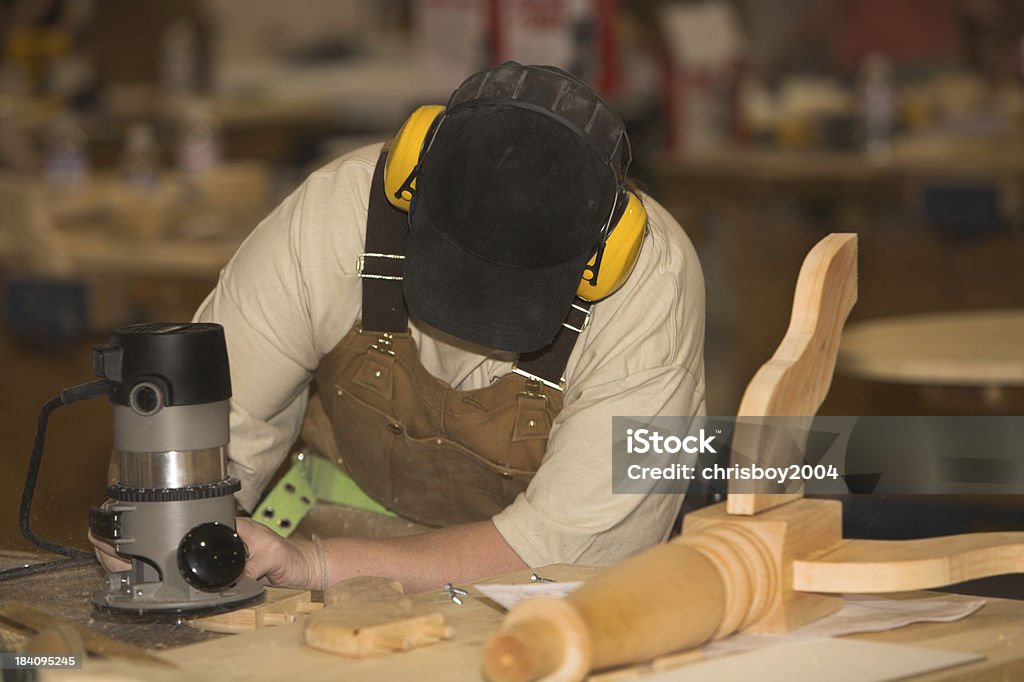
pixel 971 348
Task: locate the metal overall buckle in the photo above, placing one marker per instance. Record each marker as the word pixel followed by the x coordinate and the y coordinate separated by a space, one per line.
pixel 361 265
pixel 534 385
pixel 582 325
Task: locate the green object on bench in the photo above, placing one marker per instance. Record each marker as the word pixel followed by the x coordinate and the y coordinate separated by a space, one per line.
pixel 310 479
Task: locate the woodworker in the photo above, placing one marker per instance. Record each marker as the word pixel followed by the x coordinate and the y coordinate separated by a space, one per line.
pixel 519 219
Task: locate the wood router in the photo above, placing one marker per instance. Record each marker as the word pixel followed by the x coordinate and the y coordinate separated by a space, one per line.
pixel 758 562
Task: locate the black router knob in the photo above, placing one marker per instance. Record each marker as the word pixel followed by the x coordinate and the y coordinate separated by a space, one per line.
pixel 211 557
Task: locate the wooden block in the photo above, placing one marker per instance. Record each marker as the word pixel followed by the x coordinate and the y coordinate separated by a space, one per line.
pixel 350 635
pixel 802 529
pixel 281 606
pixel 371 616
pixel 900 565
pixel 366 590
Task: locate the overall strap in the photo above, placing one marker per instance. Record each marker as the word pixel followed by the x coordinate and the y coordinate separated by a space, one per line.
pixel 547 365
pixel 381 265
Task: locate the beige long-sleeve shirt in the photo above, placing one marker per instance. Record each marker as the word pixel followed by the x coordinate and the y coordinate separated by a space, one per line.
pixel 291 292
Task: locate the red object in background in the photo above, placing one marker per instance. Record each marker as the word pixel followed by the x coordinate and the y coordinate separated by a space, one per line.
pixel 738 133
pixel 902 30
pixel 610 76
pixel 669 98
pixel 494 29
pixel 703 64
pixel 678 83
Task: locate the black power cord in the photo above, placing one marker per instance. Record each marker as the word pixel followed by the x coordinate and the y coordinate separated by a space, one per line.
pixel 76 557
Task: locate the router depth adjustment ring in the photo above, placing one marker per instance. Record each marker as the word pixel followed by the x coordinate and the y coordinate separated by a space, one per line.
pixel 205 491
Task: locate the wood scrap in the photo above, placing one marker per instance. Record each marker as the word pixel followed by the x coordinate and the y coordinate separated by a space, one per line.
pixel 370 616
pixel 367 591
pixel 282 606
pixel 280 653
pixel 57 640
pixel 11 637
pixel 27 619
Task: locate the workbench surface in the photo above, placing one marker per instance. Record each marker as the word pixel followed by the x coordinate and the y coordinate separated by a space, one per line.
pixel 996 631
pixel 65 593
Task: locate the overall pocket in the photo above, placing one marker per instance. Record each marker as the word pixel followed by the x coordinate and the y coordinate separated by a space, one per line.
pixel 439 482
pixel 365 437
pixel 433 481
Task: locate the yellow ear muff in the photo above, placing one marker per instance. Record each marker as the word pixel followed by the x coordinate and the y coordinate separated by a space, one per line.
pixel 621 249
pixel 405 154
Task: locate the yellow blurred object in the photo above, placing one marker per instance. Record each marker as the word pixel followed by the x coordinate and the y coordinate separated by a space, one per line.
pixel 28 44
pixel 917 111
pixel 795 133
pixel 35 51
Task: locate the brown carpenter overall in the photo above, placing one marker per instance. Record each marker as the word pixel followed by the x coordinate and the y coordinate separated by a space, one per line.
pixel 428 452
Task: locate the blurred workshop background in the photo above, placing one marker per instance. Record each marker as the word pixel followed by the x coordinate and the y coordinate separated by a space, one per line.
pixel 141 141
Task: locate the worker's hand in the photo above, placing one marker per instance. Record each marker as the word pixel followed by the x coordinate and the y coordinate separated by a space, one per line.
pixel 108 556
pixel 274 560
pixel 271 559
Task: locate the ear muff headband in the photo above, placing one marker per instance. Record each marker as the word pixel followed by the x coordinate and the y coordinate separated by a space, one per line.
pixel 606 271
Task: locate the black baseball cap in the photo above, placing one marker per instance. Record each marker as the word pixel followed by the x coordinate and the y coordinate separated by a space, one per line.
pixel 514 192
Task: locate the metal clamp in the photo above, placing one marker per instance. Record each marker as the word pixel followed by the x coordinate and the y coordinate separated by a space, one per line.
pixel 455 593
pixel 361 265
